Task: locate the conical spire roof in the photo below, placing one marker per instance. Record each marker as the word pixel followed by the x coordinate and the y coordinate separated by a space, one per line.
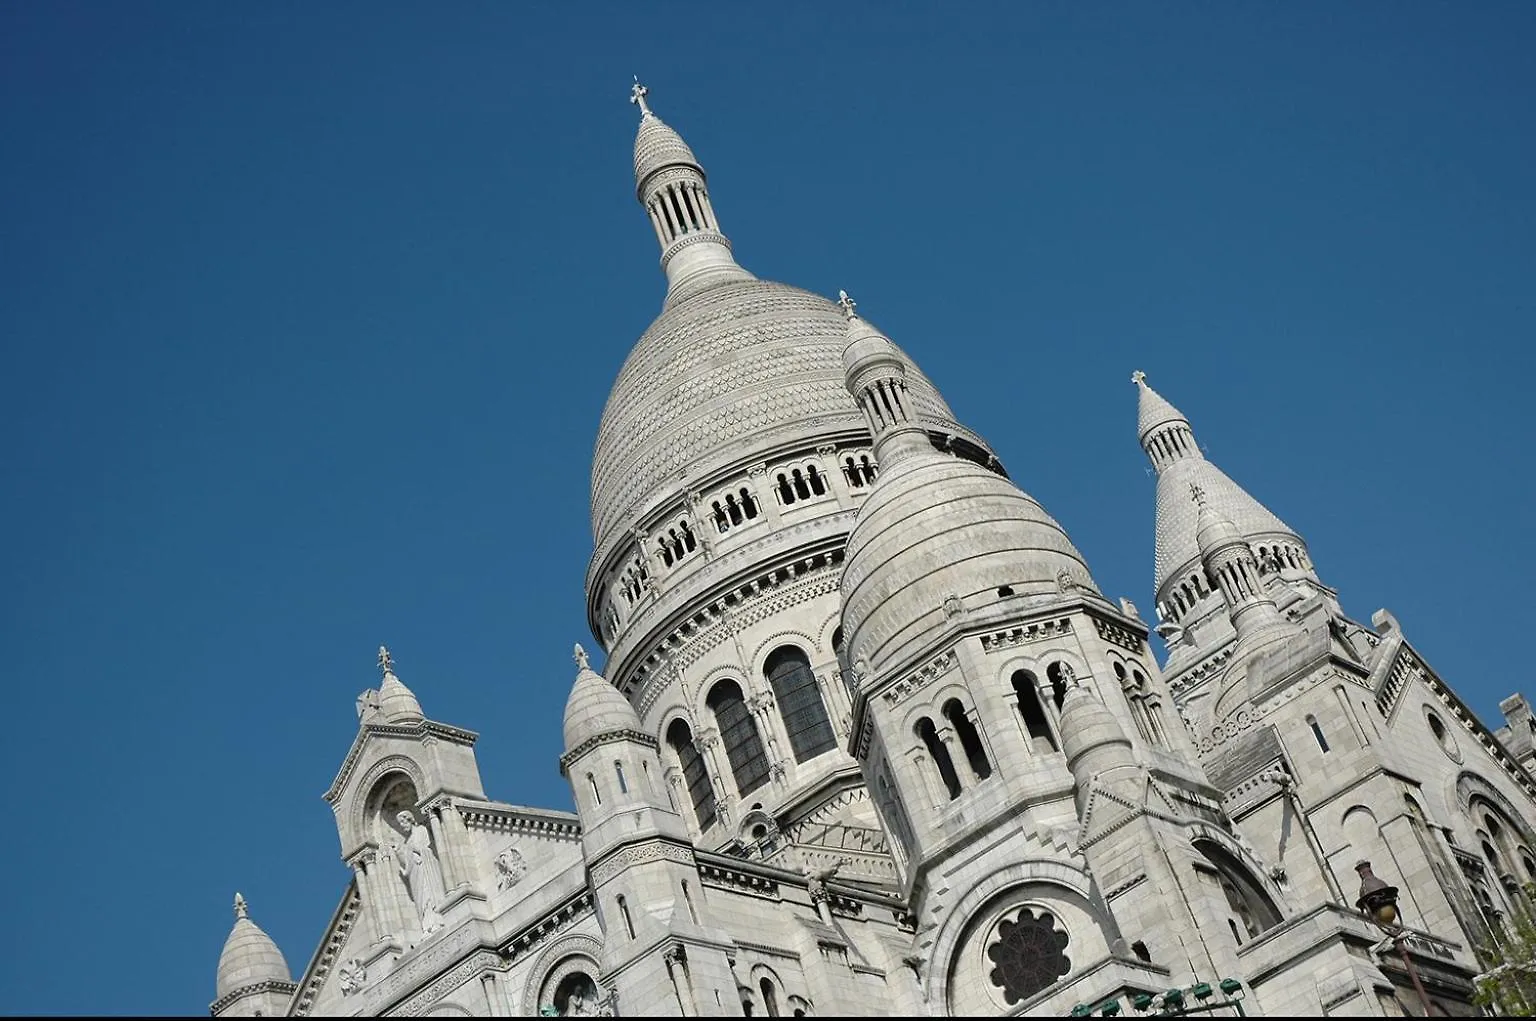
pixel 1153 409
pixel 657 146
pixel 1170 442
pixel 249 956
pixel 595 707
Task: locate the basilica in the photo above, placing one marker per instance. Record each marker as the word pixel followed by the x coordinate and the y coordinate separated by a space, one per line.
pixel 870 740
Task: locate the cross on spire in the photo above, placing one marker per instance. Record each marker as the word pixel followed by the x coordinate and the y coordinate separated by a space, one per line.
pixel 386 661
pixel 637 94
pixel 581 658
pixel 847 304
pixel 239 906
pixel 1139 378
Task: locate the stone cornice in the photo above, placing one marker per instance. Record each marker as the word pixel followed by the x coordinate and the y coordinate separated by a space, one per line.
pixel 490 815
pixel 425 728
pixel 271 985
pixel 605 737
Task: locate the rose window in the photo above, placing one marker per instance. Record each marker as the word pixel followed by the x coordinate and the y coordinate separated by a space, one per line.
pixel 1027 954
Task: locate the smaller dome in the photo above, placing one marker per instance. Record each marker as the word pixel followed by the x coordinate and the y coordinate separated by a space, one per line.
pixel 868 347
pixel 397 704
pixel 250 957
pixel 1088 725
pixel 595 707
pixel 657 147
pixel 938 528
pixel 1213 529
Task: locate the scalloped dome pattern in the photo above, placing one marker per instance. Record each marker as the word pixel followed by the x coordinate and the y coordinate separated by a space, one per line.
pixel 1178 516
pixel 719 375
pixel 658 146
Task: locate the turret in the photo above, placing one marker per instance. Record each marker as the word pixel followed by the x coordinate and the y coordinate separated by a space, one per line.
pixel 670 184
pixel 253 978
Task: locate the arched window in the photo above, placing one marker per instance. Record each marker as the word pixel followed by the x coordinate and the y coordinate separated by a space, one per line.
pixel 695 774
pixel 1317 732
pixel 693 912
pixel 817 480
pixel 743 747
pixel 1058 678
pixel 970 741
pixel 800 704
pixel 770 997
pixel 597 796
pixel 1041 737
pixel 629 923
pixel 618 771
pixel 940 756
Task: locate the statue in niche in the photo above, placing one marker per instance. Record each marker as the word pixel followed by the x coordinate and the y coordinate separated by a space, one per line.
pixel 510 868
pixel 422 872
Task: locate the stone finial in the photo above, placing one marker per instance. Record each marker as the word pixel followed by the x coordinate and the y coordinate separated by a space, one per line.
pixel 386 661
pixel 1197 493
pixel 847 304
pixel 1139 378
pixel 637 94
pixel 581 658
pixel 240 910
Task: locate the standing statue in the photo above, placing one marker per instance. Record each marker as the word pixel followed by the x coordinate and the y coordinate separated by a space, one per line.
pixel 421 871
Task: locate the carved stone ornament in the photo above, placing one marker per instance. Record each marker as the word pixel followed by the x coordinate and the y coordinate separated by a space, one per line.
pixel 510 868
pixel 351 976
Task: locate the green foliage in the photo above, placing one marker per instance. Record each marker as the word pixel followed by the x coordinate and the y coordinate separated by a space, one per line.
pixel 1509 984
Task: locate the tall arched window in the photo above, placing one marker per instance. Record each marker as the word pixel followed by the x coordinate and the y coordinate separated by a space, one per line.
pixel 940 756
pixel 695 774
pixel 970 741
pixel 770 997
pixel 1041 737
pixel 743 747
pixel 1317 732
pixel 805 715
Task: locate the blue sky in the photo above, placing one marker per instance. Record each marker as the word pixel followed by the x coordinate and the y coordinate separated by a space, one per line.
pixel 309 315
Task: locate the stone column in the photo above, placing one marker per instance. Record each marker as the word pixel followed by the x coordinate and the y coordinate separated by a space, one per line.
pixel 719 769
pixel 445 855
pixel 495 996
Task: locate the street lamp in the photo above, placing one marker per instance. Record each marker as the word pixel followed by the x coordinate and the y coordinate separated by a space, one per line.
pixel 1378 902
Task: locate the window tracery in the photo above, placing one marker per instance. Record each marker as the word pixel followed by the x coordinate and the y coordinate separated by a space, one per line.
pixel 1027 954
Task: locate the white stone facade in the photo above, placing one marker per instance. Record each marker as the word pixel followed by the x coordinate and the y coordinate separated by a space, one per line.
pixel 872 742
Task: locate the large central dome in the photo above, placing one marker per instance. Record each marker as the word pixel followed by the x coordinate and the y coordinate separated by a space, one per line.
pixel 723 375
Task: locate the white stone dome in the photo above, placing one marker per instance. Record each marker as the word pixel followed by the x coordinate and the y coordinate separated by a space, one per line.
pixel 594 708
pixel 723 376
pixel 936 527
pixel 657 147
pixel 249 958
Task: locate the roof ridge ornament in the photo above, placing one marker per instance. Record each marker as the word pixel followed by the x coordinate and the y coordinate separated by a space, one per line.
pixel 848 305
pixel 637 94
pixel 240 909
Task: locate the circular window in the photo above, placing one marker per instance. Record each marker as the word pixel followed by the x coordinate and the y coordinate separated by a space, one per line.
pixel 1442 736
pixel 1027 954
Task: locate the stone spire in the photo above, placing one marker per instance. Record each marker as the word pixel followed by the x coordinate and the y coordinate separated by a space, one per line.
pixel 877 378
pixel 1165 433
pixel 595 708
pixel 670 184
pixel 1169 441
pixel 396 702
